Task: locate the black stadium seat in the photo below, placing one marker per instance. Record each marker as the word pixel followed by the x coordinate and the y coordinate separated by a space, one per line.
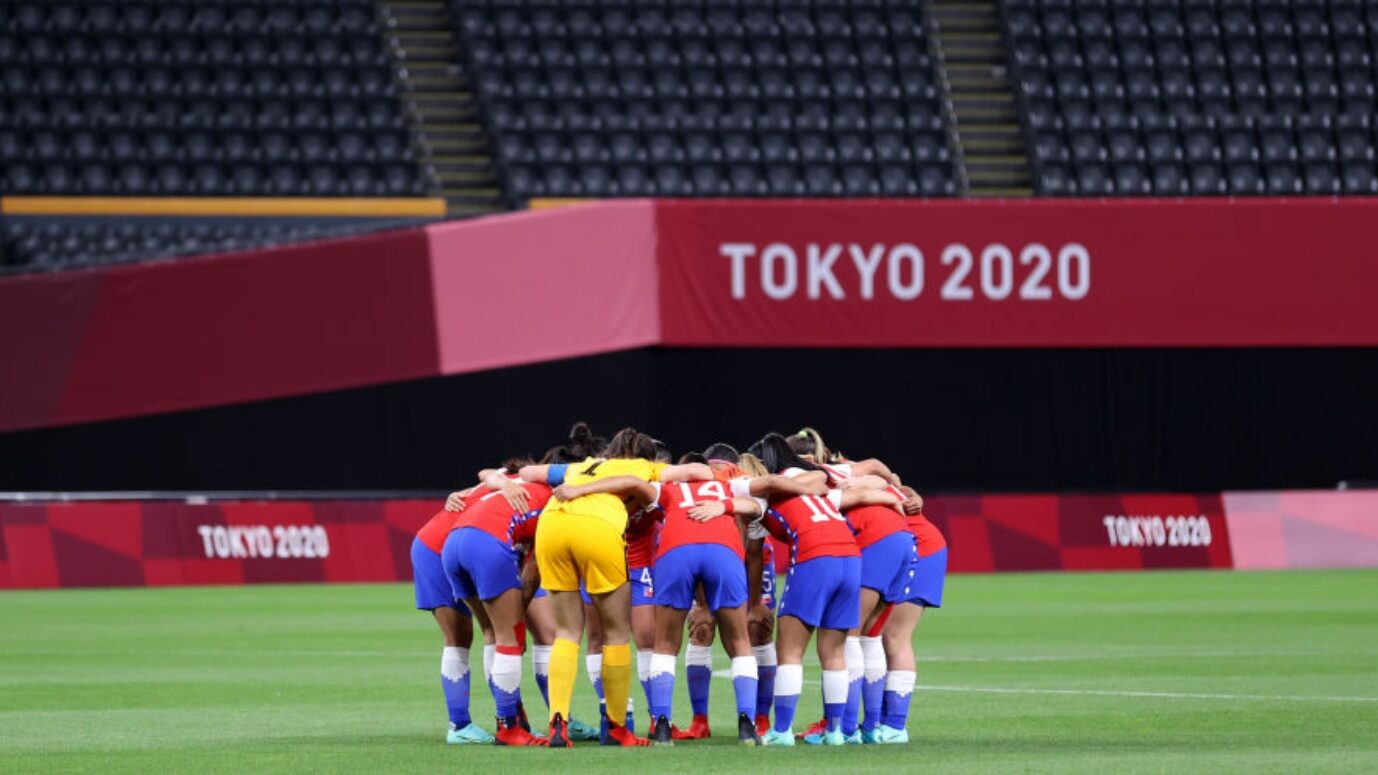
pixel 206 98
pixel 708 99
pixel 1232 97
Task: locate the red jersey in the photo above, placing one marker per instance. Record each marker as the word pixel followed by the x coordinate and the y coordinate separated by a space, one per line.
pixel 872 523
pixel 812 526
pixel 930 539
pixel 437 529
pixel 494 515
pixel 642 530
pixel 675 501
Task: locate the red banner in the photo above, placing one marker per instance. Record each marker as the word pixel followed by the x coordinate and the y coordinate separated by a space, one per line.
pixel 154 543
pixel 1033 272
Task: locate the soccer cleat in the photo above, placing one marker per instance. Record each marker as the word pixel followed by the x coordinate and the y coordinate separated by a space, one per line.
pixel 746 731
pixel 619 735
pixel 762 725
pixel 660 732
pixel 853 739
pixel 578 730
pixel 468 734
pixel 816 728
pixel 774 737
pixel 834 737
pixel 891 736
pixel 516 737
pixel 868 736
pixel 559 733
pixel 698 729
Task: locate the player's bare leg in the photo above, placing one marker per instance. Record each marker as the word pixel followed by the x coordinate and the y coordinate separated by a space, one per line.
pixel 669 636
pixel 698 668
pixel 737 642
pixel 458 632
pixel 614 611
pixel 568 610
pixel 898 641
pixel 505 612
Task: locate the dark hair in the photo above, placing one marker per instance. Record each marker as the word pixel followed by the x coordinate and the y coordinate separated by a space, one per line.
pixel 802 444
pixel 663 454
pixel 721 451
pixel 693 457
pixel 514 464
pixel 560 454
pixel 776 454
pixel 630 443
pixel 583 442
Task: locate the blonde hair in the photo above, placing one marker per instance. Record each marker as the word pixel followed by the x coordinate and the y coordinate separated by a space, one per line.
pixel 752 465
pixel 813 441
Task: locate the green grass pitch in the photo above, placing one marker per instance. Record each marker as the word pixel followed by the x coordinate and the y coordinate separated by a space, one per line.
pixel 1165 672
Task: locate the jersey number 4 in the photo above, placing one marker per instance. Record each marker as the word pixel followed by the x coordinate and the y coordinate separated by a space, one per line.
pixel 821 508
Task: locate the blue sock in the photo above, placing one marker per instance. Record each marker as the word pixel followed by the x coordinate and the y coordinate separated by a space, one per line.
pixel 835 693
pixel 872 698
pixel 765 688
pixel 899 690
pixel 454 680
pixel 662 685
pixel 543 683
pixel 699 672
pixel 504 680
pixel 745 684
pixel 540 665
pixel 784 711
pixel 833 711
pixel 851 711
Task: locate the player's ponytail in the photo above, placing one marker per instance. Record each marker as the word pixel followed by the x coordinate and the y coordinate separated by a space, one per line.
pixel 752 464
pixel 514 464
pixel 582 442
pixel 810 442
pixel 630 443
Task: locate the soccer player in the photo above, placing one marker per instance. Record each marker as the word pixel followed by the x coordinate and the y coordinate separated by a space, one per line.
pixel 433 593
pixel 822 591
pixel 482 560
pixel 581 539
pixel 925 591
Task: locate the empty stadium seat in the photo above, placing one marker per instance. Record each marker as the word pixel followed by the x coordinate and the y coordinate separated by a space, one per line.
pixel 712 98
pixel 1238 97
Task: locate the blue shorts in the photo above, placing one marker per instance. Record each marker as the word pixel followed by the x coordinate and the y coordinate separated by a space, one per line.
pixel 887 566
pixel 584 596
pixel 824 592
pixel 432 588
pixel 716 567
pixel 642 586
pixel 926 589
pixel 479 565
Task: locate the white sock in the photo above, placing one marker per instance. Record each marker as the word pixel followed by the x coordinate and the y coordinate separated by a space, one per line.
pixel 454 663
pixel 789 679
pixel 490 650
pixel 700 656
pixel 856 661
pixel 540 660
pixel 765 655
pixel 900 682
pixel 507 672
pixel 594 664
pixel 661 663
pixel 873 653
pixel 744 667
pixel 643 664
pixel 834 685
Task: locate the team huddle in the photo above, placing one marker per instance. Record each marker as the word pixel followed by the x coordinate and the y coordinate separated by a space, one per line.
pixel 609 541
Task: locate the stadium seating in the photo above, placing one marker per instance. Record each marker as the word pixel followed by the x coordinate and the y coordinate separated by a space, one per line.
pixel 1203 97
pixel 708 98
pixel 200 97
pixel 47 244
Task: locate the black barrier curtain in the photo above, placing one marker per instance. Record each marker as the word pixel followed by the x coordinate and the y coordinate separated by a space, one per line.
pixel 948 420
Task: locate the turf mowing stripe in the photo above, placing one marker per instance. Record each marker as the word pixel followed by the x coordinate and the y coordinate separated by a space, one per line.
pixel 1162 695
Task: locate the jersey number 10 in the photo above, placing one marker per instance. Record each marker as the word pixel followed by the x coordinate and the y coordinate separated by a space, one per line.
pixel 821 508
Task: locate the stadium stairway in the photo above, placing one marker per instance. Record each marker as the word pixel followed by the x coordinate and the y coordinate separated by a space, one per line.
pixel 441 104
pixel 984 116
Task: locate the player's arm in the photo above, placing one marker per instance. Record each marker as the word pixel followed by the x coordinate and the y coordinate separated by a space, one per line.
pixel 622 486
pixel 536 473
pixel 746 509
pixel 512 491
pixel 913 502
pixel 865 482
pixel 774 485
pixel 854 498
pixel 531 581
pixel 686 472
pixel 455 501
pixel 874 467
